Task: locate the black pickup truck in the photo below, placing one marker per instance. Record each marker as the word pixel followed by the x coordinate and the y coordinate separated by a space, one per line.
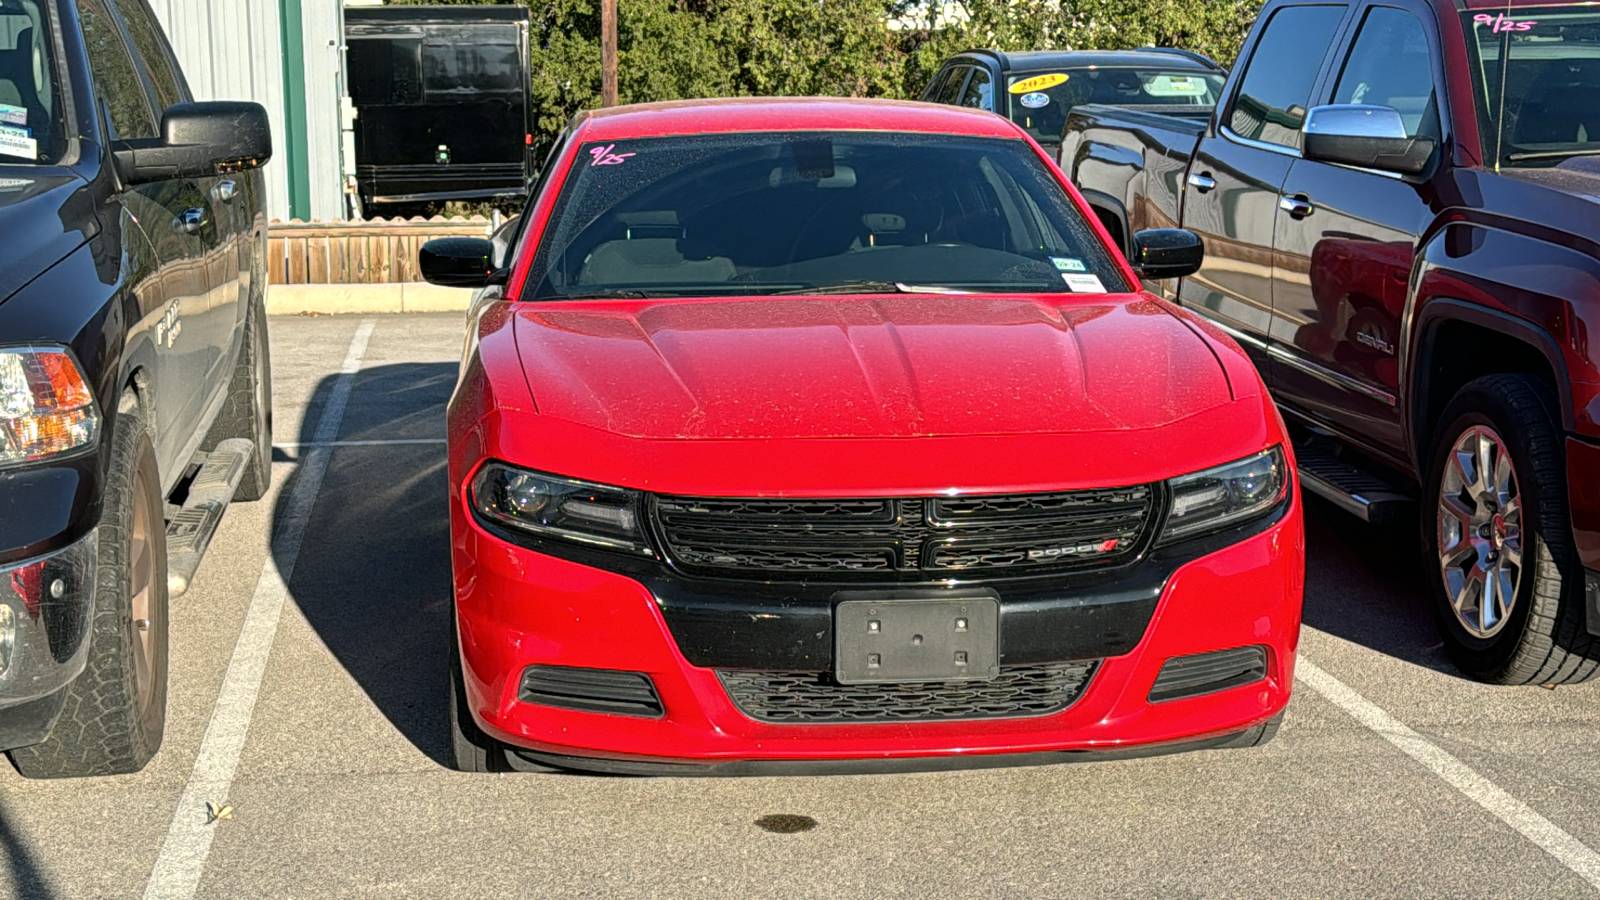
pixel 134 373
pixel 1400 204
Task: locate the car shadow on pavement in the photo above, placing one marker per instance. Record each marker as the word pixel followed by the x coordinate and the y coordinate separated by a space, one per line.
pixel 1365 584
pixel 24 878
pixel 373 572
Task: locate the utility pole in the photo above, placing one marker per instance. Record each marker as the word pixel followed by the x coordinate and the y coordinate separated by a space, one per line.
pixel 608 52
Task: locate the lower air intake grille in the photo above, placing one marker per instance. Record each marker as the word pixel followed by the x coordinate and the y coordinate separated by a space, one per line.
pixel 807 697
pixel 591 690
pixel 1206 673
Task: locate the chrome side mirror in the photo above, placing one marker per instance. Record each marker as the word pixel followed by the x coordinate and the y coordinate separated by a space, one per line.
pixel 1369 137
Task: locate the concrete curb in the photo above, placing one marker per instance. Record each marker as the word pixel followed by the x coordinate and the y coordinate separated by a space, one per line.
pixel 333 299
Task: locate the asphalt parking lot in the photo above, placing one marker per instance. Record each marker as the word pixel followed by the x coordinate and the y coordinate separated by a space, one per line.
pixel 309 677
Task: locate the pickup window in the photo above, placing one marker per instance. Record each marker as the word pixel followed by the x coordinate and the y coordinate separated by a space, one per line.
pixel 1271 104
pixel 980 92
pixel 1042 111
pixel 1541 109
pixel 1390 65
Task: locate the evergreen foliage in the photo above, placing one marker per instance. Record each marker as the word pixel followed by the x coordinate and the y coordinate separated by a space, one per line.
pixel 675 49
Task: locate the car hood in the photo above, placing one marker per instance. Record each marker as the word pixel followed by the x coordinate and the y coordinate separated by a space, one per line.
pixel 1578 177
pixel 44 216
pixel 843 367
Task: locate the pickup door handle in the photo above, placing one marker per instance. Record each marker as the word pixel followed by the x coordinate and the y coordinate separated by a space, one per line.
pixel 225 191
pixel 1201 182
pixel 189 221
pixel 1297 207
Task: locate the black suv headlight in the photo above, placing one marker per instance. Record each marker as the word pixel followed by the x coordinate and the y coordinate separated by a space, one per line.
pixel 565 508
pixel 1226 495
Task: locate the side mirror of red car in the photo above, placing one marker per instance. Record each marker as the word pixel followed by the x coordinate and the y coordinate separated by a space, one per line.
pixel 463 262
pixel 1160 253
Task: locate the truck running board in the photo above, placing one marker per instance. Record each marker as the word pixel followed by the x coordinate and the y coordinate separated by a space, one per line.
pixel 1350 488
pixel 190 529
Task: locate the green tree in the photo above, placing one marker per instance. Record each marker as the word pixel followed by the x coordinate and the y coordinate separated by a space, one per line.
pixel 677 49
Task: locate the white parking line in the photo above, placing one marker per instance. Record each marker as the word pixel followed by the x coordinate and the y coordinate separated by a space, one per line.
pixel 177 871
pixel 1567 850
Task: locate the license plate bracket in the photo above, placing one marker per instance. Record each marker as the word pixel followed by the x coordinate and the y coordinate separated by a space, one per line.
pixel 903 636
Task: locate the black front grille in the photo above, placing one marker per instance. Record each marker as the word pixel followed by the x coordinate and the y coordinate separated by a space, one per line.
pixel 591 690
pixel 935 536
pixel 1207 673
pixel 795 698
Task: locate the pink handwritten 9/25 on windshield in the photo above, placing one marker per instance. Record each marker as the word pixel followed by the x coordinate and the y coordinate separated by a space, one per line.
pixel 1502 22
pixel 604 157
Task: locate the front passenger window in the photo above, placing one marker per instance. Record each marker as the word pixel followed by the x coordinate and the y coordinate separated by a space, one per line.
pixel 115 78
pixel 1390 65
pixel 950 91
pixel 1271 104
pixel 980 91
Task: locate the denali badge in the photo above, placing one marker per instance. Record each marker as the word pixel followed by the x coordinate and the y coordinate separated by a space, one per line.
pixel 1076 549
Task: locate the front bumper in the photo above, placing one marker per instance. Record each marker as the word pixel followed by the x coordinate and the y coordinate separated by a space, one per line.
pixel 518 607
pixel 46 606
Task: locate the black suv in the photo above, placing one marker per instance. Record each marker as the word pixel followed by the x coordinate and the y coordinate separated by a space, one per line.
pixel 134 376
pixel 1039 88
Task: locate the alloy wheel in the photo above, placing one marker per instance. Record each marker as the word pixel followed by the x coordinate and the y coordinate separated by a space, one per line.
pixel 1480 531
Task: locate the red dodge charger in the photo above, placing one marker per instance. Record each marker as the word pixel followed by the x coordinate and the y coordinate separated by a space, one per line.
pixel 834 435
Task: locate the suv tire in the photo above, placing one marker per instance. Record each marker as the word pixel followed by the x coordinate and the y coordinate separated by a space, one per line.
pixel 116 710
pixel 1478 518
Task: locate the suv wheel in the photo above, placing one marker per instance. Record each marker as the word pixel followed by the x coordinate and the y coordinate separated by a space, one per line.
pixel 1499 542
pixel 116 711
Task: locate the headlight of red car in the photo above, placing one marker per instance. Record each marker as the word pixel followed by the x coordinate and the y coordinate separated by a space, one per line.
pixel 565 508
pixel 1225 495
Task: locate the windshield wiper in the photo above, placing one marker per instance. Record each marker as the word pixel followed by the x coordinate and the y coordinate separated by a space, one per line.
pixel 1551 154
pixel 615 294
pixel 873 287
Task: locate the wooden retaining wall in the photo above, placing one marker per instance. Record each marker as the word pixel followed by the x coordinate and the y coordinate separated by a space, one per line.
pixel 378 251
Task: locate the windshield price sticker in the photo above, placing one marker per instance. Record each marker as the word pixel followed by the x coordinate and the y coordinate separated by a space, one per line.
pixel 1083 284
pixel 1037 83
pixel 18 142
pixel 13 115
pixel 1068 264
pixel 1035 100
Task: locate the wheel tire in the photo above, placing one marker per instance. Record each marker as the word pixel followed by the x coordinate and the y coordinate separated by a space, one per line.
pixel 1541 638
pixel 116 710
pixel 247 413
pixel 470 749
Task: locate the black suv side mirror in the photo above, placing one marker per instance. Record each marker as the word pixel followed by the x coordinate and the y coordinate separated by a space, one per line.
pixel 465 262
pixel 1366 136
pixel 1167 253
pixel 197 140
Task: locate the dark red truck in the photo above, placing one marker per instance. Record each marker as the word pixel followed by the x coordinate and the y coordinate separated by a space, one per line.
pixel 1400 203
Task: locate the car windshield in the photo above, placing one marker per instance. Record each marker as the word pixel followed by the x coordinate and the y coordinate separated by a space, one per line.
pixel 1536 78
pixel 758 213
pixel 30 108
pixel 1040 101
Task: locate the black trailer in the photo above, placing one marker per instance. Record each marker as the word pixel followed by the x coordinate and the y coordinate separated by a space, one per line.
pixel 441 98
